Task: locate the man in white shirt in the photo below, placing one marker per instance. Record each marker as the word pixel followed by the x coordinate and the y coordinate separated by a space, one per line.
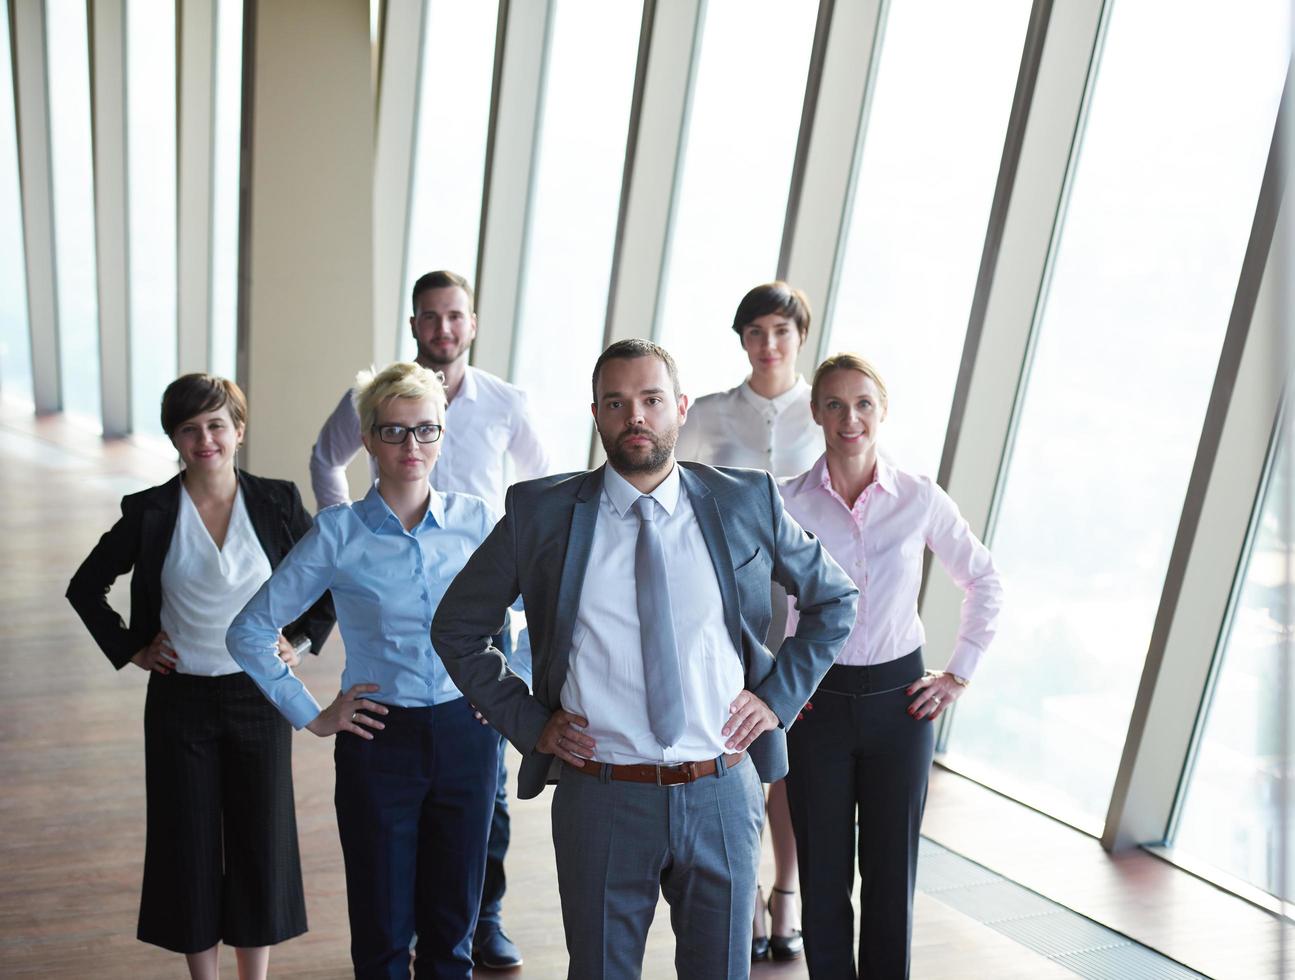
pixel 487 426
pixel 488 421
pixel 652 680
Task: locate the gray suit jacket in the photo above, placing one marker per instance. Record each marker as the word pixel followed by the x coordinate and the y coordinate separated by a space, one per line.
pixel 540 550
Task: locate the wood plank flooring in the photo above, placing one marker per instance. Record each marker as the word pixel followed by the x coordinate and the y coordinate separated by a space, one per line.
pixel 72 809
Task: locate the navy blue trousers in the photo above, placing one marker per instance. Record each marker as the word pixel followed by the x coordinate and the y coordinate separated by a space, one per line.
pixel 492 894
pixel 414 808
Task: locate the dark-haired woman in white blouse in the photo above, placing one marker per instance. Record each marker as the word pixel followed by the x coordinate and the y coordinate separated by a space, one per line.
pixel 765 423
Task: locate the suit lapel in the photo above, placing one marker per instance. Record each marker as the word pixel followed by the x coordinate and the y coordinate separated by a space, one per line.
pixel 157 525
pixel 706 510
pixel 264 518
pixel 580 538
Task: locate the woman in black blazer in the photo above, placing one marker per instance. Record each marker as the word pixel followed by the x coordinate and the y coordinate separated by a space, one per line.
pixel 221 861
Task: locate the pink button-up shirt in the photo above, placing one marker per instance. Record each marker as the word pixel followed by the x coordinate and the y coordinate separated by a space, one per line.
pixel 880 542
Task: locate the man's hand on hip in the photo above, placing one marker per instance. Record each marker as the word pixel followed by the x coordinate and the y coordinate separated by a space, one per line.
pixel 564 736
pixel 749 719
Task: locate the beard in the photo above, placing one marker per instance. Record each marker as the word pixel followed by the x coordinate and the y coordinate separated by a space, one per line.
pixel 439 358
pixel 626 460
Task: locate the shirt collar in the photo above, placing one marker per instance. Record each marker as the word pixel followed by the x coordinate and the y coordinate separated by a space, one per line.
pixel 374 512
pixel 883 476
pixel 624 494
pixel 468 389
pixel 780 404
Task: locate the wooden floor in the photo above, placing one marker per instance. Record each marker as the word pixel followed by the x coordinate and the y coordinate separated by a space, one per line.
pixel 72 810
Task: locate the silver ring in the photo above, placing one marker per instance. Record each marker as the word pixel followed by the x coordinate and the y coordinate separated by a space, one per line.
pixel 937 700
pixel 354 715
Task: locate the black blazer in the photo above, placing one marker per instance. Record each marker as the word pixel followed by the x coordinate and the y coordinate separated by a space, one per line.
pixel 140 540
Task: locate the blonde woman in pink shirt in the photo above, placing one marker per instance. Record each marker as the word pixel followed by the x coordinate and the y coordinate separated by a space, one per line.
pixel 861 752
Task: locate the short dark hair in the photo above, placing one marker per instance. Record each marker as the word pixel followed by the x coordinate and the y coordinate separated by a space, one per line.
pixel 194 394
pixel 628 350
pixel 773 297
pixel 440 279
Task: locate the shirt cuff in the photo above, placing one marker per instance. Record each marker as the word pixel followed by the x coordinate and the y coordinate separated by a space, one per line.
pixel 300 709
pixel 964 661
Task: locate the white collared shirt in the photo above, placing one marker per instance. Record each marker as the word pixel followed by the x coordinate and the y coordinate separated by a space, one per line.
pixel 741 428
pixel 487 424
pixel 605 665
pixel 880 542
pixel 204 587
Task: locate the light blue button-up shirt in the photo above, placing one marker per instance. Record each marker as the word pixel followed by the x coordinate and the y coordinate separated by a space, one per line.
pixel 386 584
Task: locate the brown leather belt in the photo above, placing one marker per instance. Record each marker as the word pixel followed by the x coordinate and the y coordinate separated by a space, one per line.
pixel 682 772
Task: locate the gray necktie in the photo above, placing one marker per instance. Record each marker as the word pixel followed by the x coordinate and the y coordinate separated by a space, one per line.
pixel 661 671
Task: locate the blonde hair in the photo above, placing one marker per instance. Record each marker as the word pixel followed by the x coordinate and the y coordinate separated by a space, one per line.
pixel 403 379
pixel 847 362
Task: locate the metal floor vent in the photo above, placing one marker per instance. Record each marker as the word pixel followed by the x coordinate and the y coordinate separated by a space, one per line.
pixel 1067 938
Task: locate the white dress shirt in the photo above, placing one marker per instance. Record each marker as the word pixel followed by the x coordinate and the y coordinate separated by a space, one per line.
pixel 605 665
pixel 204 587
pixel 740 428
pixel 487 423
pixel 880 542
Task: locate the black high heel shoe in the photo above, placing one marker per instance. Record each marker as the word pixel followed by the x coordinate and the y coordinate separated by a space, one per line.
pixel 784 947
pixel 759 944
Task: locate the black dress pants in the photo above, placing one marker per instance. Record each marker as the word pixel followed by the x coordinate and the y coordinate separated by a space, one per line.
pixel 221 862
pixel 859 760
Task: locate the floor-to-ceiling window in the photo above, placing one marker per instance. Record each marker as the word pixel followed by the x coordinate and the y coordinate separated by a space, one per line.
pixel 1127 343
pixel 929 162
pixel 151 205
pixel 589 86
pixel 1239 799
pixel 734 180
pixel 72 177
pixel 15 337
pixel 226 153
pixel 458 58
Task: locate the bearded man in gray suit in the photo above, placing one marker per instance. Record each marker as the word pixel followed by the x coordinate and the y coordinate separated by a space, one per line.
pixel 646 585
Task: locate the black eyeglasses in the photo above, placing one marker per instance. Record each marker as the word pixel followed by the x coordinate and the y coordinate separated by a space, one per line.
pixel 395 434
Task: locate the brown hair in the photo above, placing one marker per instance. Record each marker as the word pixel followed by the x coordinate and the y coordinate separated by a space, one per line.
pixel 441 279
pixel 847 362
pixel 196 394
pixel 773 297
pixel 628 350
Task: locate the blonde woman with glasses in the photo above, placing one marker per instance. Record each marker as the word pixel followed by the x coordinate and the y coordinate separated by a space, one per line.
pixel 416 770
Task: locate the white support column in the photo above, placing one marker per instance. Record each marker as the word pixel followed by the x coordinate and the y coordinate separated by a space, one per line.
pixel 1209 550
pixel 34 166
pixel 1043 132
pixel 108 100
pixel 196 69
pixel 811 260
pixel 662 93
pixel 306 253
pixel 393 154
pixel 514 135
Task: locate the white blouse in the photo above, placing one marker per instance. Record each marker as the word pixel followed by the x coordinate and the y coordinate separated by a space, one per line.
pixel 205 587
pixel 741 428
